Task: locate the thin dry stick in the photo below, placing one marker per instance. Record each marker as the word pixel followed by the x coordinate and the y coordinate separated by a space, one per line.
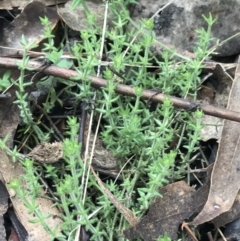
pixel 121 170
pixel 92 112
pixel 190 232
pixel 90 125
pixel 127 90
pixel 210 237
pixel 127 213
pixel 222 235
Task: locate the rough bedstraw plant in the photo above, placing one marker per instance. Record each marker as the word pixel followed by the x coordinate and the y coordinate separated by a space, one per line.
pixel 68 191
pixel 133 129
pixel 137 132
pixel 22 95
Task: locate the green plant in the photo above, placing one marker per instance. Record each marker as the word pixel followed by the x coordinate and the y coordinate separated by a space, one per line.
pixel 22 101
pixel 165 238
pixel 4 81
pixel 134 129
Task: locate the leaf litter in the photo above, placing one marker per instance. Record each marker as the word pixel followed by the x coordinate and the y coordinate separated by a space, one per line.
pixel 9 116
pixel 179 201
pixel 225 182
pixel 219 201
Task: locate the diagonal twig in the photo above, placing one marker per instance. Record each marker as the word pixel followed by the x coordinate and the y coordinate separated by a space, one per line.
pixel 126 90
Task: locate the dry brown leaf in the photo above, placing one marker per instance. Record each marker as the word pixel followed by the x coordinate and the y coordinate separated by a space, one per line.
pixel 9 119
pixel 3 209
pixel 10 170
pixel 213 125
pixel 229 216
pixel 20 4
pixel 76 19
pixel 47 152
pixel 225 182
pixel 28 24
pixel 165 214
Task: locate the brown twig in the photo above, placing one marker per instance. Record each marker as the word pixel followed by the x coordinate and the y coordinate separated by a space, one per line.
pixel 190 232
pixel 82 129
pixel 127 213
pixel 127 90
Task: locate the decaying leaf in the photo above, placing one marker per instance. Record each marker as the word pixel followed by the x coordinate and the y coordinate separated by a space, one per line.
pixel 179 202
pixel 10 170
pixel 52 152
pixel 20 4
pixel 3 209
pixel 225 182
pixel 47 152
pixel 28 24
pixel 229 216
pixel 76 19
pixel 213 125
pixel 102 159
pixel 9 119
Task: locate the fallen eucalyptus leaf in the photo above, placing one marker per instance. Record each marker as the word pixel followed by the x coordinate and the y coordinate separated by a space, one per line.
pixel 225 182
